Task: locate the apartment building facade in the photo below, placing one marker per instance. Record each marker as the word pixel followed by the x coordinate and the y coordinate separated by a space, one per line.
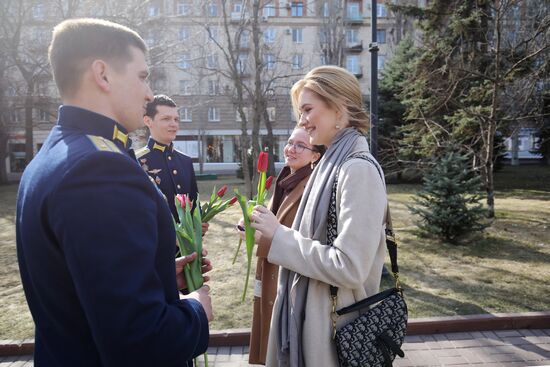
pixel 191 46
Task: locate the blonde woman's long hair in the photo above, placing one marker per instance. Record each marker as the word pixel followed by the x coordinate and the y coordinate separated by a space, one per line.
pixel 339 89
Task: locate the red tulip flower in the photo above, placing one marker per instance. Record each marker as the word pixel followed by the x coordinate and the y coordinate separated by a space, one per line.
pixel 221 192
pixel 180 199
pixel 262 162
pixel 268 182
pixel 233 200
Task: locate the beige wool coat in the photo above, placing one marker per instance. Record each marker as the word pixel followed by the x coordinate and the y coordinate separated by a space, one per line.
pixel 267 273
pixel 354 265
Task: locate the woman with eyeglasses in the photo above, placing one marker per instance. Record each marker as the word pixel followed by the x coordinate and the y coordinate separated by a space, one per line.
pixel 300 157
pixel 329 104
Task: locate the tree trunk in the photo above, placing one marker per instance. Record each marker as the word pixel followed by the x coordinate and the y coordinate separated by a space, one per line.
pixel 491 129
pixel 29 143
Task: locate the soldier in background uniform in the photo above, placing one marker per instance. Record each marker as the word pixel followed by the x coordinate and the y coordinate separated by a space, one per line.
pixel 95 238
pixel 169 168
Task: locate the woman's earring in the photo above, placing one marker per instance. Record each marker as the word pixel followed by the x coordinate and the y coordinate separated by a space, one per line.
pixel 337 127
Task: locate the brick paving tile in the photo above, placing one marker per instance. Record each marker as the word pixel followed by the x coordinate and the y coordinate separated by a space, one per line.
pixel 517 340
pixel 423 358
pixel 490 335
pixel 507 357
pixel 539 332
pixel 427 338
pixel 402 362
pixel 458 336
pixel 414 339
pixel 473 343
pixel 449 361
pixel 507 333
pixel 537 349
pixel 413 346
pixel 440 337
pixel 538 339
pixel 223 354
pixel 473 356
pixel 526 332
pixel 446 353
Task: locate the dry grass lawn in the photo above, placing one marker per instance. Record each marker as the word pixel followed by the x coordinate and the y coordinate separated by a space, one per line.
pixel 507 269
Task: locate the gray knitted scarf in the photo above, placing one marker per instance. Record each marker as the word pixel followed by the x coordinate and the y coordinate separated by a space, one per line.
pixel 311 222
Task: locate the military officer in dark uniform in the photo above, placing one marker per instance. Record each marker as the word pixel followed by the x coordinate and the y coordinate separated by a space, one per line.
pixel 169 168
pixel 95 237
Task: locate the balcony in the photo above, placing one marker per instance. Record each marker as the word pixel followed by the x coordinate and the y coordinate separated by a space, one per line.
pixel 354 19
pixel 354 47
pixel 238 17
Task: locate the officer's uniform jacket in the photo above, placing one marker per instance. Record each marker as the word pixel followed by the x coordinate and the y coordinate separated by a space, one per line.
pixel 170 169
pixel 95 244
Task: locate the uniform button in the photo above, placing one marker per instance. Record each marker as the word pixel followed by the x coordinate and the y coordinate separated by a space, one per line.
pixel 175 172
pixel 169 157
pixel 179 186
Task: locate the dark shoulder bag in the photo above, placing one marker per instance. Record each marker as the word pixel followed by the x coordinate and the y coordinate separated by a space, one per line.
pixel 375 337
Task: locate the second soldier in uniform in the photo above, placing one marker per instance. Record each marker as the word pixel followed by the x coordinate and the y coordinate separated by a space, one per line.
pixel 171 170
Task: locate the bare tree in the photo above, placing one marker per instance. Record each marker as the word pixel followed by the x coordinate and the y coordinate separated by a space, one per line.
pixel 332 32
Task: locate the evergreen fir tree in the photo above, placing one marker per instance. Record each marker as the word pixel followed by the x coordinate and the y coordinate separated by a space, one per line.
pixel 393 77
pixel 449 202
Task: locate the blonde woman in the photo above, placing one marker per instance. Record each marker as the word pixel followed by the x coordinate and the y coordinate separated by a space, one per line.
pixel 329 105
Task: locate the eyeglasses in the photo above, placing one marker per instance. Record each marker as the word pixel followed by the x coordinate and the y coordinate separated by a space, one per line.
pixel 299 148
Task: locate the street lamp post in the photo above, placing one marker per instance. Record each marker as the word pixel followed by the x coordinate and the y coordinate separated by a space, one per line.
pixel 373 49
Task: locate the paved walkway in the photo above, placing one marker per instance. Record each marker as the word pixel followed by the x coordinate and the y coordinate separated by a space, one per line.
pixel 487 348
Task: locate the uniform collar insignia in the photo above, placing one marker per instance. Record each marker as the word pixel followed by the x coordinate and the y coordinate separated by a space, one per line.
pixel 155 171
pixel 159 146
pixel 119 135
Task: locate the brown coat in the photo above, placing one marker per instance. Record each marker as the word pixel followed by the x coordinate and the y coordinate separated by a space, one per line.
pixel 266 279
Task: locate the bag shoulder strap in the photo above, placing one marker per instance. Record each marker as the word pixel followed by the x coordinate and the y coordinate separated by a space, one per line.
pixel 332 221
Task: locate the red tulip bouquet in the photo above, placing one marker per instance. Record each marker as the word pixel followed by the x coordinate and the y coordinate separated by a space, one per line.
pixel 216 204
pixel 247 206
pixel 189 236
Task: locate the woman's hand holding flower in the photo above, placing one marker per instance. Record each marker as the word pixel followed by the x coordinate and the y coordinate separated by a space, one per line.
pixel 265 223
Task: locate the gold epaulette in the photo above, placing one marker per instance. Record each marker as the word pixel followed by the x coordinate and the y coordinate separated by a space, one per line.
pixel 103 144
pixel 141 152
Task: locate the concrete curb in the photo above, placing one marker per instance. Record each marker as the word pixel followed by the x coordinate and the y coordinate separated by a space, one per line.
pixel 420 326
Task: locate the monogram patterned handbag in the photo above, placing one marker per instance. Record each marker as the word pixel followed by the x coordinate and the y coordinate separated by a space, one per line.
pixel 375 337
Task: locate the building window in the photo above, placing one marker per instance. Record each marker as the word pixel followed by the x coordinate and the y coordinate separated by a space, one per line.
pixel 381 61
pixel 16 116
pixel 212 61
pixel 326 10
pixel 241 63
pixel 381 10
pixel 297 61
pixel 185 114
pixel 352 11
pixel 183 33
pixel 352 64
pixel 269 10
pixel 352 37
pixel 17 158
pixel 153 10
pixel 42 115
pixel 213 114
pixel 185 87
pixel 184 61
pixel 270 35
pixel 297 35
pixel 38 11
pixel 270 61
pixel 213 9
pixel 238 8
pixel 271 114
pixel 381 35
pixel 297 10
pixel 213 87
pixel 244 39
pixel 183 8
